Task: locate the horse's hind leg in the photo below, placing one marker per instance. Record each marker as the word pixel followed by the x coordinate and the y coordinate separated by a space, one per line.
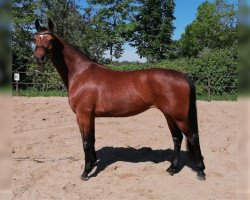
pixel 193 146
pixel 177 139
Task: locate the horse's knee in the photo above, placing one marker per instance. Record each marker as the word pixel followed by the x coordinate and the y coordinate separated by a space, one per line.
pixel 87 146
pixel 177 140
pixel 194 139
pixel 178 137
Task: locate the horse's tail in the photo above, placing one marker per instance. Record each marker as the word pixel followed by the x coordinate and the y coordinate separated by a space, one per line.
pixel 192 117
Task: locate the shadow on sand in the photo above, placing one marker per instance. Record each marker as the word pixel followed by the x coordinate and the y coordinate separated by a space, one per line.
pixel 110 155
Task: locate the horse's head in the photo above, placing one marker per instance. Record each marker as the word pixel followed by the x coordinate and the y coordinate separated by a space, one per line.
pixel 43 41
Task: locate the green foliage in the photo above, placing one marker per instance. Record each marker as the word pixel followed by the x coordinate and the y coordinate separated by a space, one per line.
pixel 23 15
pixel 221 66
pixel 43 77
pixel 180 64
pixel 33 92
pixel 81 30
pixel 153 28
pixel 128 66
pixel 113 16
pixel 214 28
pixel 223 97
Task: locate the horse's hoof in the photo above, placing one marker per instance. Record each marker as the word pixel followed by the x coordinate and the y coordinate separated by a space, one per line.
pixel 201 176
pixel 84 177
pixel 171 171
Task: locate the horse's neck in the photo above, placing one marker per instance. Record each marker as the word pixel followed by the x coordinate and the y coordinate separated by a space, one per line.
pixel 66 59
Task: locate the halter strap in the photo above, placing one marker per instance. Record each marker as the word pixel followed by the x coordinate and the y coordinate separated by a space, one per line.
pixel 43 47
pixel 46 50
pixel 46 33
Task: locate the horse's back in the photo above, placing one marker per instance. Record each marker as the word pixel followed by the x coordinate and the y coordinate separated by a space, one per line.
pixel 109 75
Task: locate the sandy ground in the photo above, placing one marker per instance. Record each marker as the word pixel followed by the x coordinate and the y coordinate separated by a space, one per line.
pixel 134 153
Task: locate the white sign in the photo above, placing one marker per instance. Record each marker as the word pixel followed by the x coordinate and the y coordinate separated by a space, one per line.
pixel 17 77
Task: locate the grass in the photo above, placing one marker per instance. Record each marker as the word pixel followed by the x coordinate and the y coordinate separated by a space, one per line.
pixel 224 97
pixel 58 93
pixel 5 89
pixel 35 93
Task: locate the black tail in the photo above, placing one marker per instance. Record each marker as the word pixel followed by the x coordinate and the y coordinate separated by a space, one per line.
pixel 192 115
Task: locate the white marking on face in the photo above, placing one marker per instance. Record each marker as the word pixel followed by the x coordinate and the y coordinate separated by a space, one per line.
pixel 41 36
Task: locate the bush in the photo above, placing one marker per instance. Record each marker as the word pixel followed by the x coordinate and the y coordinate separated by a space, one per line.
pixel 221 66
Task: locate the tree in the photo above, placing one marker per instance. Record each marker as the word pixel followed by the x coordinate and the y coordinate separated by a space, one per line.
pixel 213 28
pixel 23 15
pixel 153 29
pixel 113 16
pixel 95 36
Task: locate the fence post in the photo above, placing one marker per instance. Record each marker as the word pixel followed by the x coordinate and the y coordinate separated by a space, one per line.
pixel 16 86
pixel 209 88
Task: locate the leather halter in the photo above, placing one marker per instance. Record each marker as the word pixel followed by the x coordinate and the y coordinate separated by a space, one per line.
pixel 46 50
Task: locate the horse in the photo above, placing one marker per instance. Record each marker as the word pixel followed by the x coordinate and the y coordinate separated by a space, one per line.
pixel 95 90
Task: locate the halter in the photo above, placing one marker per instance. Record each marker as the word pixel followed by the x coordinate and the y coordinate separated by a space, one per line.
pixel 47 51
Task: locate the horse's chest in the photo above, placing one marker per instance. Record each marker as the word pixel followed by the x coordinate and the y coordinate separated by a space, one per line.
pixel 82 102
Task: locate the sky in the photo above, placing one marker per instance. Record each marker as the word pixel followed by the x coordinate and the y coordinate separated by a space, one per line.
pixel 185 12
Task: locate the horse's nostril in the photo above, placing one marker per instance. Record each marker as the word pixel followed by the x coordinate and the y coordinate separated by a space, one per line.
pixel 43 58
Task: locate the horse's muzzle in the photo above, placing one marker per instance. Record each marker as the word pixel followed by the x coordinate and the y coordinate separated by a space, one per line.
pixel 41 60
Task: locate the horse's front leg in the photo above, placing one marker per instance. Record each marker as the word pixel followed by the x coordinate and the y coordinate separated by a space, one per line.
pixel 87 128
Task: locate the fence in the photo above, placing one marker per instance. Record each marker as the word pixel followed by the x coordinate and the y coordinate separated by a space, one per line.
pixel 205 85
pixel 36 80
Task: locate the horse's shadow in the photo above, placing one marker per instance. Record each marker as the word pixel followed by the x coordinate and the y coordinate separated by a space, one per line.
pixel 110 155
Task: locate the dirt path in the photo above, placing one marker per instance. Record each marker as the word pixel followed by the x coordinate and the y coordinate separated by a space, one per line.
pixel 134 153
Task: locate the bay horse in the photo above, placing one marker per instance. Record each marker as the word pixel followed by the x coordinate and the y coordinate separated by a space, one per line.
pixel 95 90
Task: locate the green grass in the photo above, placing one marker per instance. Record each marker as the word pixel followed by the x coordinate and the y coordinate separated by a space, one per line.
pixel 5 89
pixel 224 97
pixel 35 93
pixel 56 93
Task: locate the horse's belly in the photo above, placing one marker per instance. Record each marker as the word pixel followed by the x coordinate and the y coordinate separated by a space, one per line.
pixel 123 109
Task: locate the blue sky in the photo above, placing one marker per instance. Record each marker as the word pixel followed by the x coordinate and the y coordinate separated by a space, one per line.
pixel 185 11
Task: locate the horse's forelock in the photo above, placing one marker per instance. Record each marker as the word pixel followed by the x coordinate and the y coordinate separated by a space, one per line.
pixel 42 29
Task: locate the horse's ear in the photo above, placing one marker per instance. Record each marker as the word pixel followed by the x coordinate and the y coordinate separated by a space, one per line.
pixel 50 25
pixel 37 25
